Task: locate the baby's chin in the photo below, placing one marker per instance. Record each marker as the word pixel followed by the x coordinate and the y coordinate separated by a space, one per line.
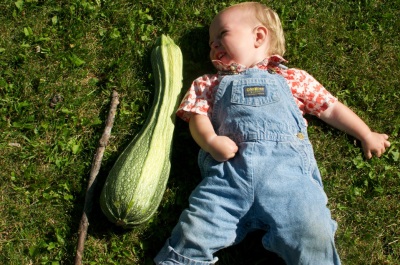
pixel 227 60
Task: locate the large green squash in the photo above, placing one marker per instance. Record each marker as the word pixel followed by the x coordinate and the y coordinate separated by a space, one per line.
pixel 136 183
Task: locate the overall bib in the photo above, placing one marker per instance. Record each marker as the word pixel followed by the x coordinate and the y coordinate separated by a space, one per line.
pixel 272 183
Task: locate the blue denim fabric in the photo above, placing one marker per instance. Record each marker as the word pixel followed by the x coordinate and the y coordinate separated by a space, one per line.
pixel 272 183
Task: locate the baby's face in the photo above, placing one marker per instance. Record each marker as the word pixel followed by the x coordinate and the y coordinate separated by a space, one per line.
pixel 232 38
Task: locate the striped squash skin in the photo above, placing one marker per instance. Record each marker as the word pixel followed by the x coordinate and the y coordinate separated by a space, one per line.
pixel 136 183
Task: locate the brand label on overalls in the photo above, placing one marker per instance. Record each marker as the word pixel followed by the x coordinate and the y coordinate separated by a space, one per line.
pixel 254 91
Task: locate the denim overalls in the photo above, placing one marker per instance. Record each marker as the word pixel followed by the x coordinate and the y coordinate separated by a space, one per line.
pixel 272 183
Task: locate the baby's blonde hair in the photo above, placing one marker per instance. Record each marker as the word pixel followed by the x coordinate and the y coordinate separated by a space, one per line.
pixel 270 19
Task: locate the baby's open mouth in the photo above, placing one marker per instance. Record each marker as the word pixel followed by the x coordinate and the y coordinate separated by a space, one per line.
pixel 220 55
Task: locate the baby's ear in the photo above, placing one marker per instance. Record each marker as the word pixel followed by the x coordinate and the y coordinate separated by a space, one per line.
pixel 261 35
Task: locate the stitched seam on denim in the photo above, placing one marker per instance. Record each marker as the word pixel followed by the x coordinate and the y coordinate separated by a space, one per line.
pixel 184 260
pixel 252 173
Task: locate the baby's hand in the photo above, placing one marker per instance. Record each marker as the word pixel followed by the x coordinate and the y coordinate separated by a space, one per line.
pixel 222 148
pixel 375 144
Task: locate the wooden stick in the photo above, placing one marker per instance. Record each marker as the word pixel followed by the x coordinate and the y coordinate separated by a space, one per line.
pixel 84 224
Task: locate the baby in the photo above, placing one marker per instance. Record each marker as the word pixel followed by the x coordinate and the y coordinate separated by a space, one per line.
pixel 257 163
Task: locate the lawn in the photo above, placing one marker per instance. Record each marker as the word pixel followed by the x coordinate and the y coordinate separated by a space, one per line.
pixel 60 61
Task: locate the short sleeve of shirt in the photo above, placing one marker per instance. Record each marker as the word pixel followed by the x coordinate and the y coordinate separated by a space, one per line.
pixel 199 98
pixel 311 97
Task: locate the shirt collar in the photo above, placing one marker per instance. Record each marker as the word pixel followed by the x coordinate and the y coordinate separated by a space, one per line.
pixel 235 68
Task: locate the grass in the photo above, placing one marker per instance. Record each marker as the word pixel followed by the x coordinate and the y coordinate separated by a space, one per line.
pixel 59 62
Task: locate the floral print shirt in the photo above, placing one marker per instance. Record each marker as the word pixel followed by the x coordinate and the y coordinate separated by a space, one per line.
pixel 310 96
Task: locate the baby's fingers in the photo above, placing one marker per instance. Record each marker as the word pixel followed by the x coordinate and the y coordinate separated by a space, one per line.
pixel 378 153
pixel 369 153
pixel 376 145
pixel 386 143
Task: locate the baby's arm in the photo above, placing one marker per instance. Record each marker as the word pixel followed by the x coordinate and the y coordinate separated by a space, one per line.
pixel 221 148
pixel 344 119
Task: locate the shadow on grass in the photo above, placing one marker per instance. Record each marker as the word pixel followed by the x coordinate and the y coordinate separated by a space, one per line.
pixel 184 177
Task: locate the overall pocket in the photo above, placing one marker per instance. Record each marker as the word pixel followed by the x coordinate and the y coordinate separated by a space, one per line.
pixel 254 91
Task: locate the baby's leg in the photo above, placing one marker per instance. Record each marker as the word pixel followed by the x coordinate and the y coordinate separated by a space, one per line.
pixel 304 234
pixel 211 221
pixel 292 201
